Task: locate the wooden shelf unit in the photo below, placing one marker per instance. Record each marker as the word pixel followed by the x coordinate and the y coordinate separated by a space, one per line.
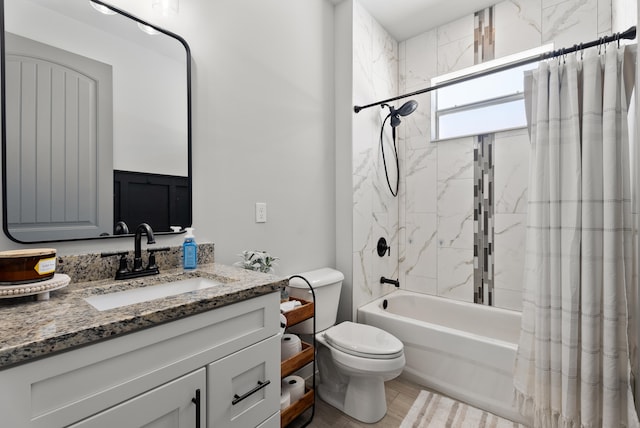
pixel 301 313
pixel 297 361
pixel 296 409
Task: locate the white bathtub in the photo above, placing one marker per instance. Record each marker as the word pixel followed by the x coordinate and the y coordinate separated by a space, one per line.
pixel 460 349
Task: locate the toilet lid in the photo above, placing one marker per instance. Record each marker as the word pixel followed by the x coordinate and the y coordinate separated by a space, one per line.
pixel 363 340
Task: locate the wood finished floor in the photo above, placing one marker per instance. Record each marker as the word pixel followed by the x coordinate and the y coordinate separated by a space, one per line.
pixel 401 394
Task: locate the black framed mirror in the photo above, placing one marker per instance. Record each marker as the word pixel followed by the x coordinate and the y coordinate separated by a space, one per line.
pixel 96 122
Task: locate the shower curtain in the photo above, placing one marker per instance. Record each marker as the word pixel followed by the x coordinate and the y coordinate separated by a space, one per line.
pixel 573 361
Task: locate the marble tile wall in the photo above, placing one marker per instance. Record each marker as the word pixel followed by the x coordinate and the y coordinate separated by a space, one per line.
pixel 436 200
pixel 455 172
pixel 509 220
pixel 375 211
pixel 624 14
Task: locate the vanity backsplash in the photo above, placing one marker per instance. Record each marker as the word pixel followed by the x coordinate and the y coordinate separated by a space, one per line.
pixel 94 267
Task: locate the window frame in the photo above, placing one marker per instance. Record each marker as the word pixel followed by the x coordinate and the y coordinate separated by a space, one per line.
pixel 466 75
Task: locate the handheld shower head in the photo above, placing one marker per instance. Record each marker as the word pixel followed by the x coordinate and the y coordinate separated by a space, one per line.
pixel 407 108
pixel 404 110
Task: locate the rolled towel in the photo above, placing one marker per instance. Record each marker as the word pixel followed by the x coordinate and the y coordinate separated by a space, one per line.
pixel 290 305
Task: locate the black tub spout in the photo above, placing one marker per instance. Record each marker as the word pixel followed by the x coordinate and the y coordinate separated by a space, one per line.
pixel 384 280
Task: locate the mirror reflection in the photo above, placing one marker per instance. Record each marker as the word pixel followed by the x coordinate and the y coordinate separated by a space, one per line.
pixel 97 127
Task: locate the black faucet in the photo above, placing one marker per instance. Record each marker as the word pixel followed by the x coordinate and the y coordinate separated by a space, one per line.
pixel 138 270
pixel 137 247
pixel 121 228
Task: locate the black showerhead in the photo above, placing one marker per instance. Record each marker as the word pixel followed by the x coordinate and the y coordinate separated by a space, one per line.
pixel 407 108
pixel 404 110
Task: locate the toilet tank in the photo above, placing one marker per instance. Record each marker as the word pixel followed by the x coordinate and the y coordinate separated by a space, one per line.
pixel 326 284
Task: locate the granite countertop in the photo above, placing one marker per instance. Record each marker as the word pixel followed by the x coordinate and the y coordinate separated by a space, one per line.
pixel 31 329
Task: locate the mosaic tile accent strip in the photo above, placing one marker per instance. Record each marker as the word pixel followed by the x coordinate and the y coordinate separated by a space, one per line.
pixel 484 36
pixel 483 219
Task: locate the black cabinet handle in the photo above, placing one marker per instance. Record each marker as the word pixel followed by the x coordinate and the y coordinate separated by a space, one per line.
pixel 237 398
pixel 196 400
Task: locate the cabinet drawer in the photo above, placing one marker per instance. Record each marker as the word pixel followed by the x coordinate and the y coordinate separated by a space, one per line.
pixel 243 389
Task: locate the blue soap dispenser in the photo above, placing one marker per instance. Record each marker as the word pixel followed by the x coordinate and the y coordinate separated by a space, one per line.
pixel 189 250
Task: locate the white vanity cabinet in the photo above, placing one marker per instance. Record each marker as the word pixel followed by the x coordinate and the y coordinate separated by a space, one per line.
pixel 174 405
pixel 151 377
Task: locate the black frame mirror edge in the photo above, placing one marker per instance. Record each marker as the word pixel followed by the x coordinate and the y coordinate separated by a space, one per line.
pixel 3 118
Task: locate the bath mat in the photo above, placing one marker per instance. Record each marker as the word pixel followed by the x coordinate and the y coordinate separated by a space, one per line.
pixel 435 411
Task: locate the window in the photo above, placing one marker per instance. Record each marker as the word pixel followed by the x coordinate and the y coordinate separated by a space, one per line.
pixel 485 104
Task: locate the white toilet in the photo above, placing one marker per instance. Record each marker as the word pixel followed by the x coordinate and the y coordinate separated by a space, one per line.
pixel 354 360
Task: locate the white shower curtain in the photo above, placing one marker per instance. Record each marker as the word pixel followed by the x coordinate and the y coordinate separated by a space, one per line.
pixel 572 365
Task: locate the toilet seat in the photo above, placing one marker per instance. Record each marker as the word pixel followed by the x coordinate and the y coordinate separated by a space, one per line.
pixel 356 365
pixel 364 341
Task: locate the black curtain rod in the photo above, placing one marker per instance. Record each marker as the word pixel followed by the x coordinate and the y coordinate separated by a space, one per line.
pixel 629 34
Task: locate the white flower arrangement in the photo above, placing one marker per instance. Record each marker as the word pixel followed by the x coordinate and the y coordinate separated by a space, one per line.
pixel 260 261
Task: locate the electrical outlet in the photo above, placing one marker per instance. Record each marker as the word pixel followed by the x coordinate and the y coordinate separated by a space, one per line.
pixel 261 212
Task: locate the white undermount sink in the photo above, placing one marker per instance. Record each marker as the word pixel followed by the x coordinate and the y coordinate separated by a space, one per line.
pixel 103 302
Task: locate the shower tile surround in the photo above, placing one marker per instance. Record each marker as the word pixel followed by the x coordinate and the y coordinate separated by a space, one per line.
pixel 434 220
pixel 375 211
pixel 536 22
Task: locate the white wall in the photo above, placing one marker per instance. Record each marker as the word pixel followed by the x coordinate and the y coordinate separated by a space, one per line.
pixel 343 44
pixel 263 128
pixel 631 4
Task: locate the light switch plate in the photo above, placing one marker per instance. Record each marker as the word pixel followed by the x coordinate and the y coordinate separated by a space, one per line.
pixel 261 212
